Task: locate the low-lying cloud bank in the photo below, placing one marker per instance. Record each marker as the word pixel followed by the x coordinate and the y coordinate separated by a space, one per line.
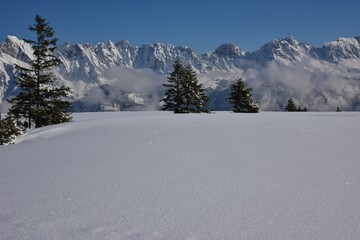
pixel 310 87
pixel 124 89
pixel 317 89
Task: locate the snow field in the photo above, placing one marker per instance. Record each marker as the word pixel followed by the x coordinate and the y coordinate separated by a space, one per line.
pixel 156 175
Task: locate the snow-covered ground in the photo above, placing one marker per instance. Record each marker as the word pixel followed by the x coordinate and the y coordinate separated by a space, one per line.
pixel 156 175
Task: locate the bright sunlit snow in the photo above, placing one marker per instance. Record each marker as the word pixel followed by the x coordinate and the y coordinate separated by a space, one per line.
pixel 157 175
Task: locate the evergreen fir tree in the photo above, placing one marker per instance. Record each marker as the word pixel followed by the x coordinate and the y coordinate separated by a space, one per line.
pixel 173 100
pixel 8 129
pixel 290 107
pixel 184 93
pixel 241 98
pixel 2 131
pixel 194 92
pixel 41 98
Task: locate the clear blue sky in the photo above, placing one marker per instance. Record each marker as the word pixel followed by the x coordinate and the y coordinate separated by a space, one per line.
pixel 200 24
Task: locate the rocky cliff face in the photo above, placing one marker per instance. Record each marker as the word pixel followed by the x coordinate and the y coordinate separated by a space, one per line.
pixel 118 76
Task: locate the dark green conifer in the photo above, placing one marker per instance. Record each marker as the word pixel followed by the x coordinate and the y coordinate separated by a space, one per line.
pixel 8 129
pixel 184 93
pixel 290 107
pixel 241 98
pixel 194 92
pixel 173 100
pixel 42 97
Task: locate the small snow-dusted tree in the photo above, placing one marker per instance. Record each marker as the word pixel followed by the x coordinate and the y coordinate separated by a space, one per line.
pixel 241 98
pixel 41 99
pixel 290 106
pixel 184 93
pixel 8 129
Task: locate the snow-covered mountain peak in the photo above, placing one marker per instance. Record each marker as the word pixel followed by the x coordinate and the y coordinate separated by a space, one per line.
pixel 122 44
pixel 351 41
pixel 343 43
pixel 109 43
pixel 284 50
pixel 341 49
pixel 290 40
pixel 87 67
pixel 229 50
pixel 16 48
pixel 64 46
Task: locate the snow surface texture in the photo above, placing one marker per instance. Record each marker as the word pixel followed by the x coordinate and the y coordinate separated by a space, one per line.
pixel 156 175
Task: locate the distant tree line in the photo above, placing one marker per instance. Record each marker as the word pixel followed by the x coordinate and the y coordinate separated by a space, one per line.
pixel 291 107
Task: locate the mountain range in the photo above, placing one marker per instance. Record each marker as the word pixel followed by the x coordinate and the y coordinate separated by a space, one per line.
pixel 117 76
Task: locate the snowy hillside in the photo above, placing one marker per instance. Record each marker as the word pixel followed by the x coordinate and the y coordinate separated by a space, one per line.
pixel 118 76
pixel 156 175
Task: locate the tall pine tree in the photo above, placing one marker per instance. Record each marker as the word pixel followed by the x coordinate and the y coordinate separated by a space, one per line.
pixel 173 100
pixel 194 92
pixel 241 98
pixel 42 97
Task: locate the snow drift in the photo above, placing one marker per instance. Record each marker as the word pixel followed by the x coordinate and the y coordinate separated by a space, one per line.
pixel 156 175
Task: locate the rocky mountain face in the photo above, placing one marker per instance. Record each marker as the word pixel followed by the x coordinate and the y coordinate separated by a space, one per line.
pixel 118 76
